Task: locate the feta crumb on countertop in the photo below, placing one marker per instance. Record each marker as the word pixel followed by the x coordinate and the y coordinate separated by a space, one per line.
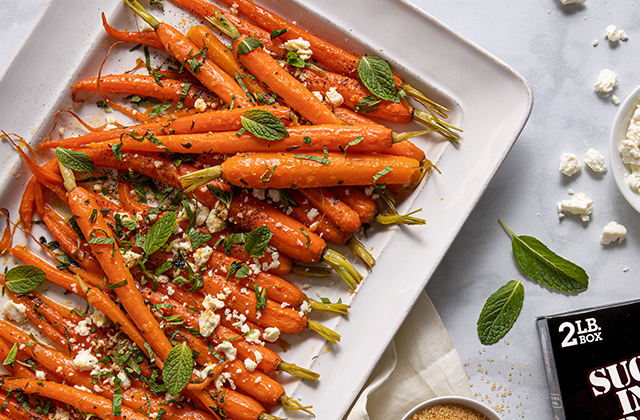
pixel 569 164
pixel 579 204
pixel 613 232
pixel 595 161
pixel 613 34
pixel 565 2
pixel 607 80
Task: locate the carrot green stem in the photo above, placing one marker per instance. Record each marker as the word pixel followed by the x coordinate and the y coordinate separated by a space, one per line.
pixel 426 102
pixel 298 371
pixel 343 267
pixel 361 252
pixel 140 11
pixel 398 137
pixel 426 165
pixel 388 200
pixel 330 335
pixel 442 127
pixel 266 416
pixel 199 178
pixel 292 404
pixel 331 308
pixel 312 272
pixel 399 219
pixel 224 25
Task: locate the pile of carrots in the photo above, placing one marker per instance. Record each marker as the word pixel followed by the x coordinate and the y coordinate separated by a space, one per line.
pixel 249 160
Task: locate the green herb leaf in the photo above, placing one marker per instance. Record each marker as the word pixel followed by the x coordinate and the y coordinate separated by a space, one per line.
pixel 178 368
pixel 24 278
pixel 500 312
pixel 256 241
pixel 546 267
pixel 295 61
pixel 318 159
pixel 352 143
pixel 225 196
pixel 248 44
pixel 159 233
pixel 238 269
pixel 375 73
pixel 11 356
pixel 368 104
pixel 266 176
pixel 198 239
pixel 379 175
pixel 287 200
pixel 264 125
pixel 277 32
pixel 308 242
pixel 78 161
pixel 261 297
pixel 118 394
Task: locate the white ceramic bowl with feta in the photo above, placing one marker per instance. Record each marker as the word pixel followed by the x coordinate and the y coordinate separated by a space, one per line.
pixel 624 150
pixel 463 401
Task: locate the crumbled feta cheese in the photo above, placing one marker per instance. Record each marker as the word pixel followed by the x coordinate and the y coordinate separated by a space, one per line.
pixel 274 195
pixel 633 132
pixel 228 349
pixel 334 97
pixel 202 213
pixel 580 204
pixel 633 181
pixel 271 334
pixel 607 80
pixel 216 220
pixel 252 336
pixel 207 322
pixel 312 213
pixel 212 303
pixel 305 307
pixel 200 105
pixel 61 414
pixel 258 193
pixel 300 46
pixel 565 2
pixel 15 311
pixel 569 164
pixel 614 34
pixel 318 95
pixel 131 257
pixel 124 379
pixel 595 161
pixel 250 364
pixel 84 360
pixel 629 152
pixel 40 375
pixel 615 100
pixel 83 329
pixel 202 255
pixel 596 42
pixel 100 319
pixel 258 356
pixel 613 232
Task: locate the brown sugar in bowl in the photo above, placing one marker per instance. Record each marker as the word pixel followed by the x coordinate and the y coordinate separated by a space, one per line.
pixel 451 408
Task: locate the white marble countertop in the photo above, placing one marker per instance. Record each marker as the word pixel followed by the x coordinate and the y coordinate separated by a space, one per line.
pixel 552 46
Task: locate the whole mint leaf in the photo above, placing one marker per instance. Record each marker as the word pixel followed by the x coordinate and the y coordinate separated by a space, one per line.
pixel 264 125
pixel 159 233
pixel 247 45
pixel 546 267
pixel 78 161
pixel 375 74
pixel 24 278
pixel 500 312
pixel 256 241
pixel 178 368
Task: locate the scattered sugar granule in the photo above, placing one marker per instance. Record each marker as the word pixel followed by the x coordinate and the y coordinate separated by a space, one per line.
pixel 569 164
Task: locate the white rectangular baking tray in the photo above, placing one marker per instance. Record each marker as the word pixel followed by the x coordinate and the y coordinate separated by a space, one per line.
pixel 487 98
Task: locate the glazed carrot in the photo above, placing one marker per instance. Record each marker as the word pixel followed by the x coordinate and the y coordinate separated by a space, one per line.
pixel 290 170
pixel 224 120
pixel 240 406
pixel 259 63
pixel 177 44
pixel 13 410
pixel 365 206
pixel 332 207
pixel 301 139
pixel 44 326
pixel 80 399
pixel 205 9
pixel 145 37
pixel 7 235
pixel 201 36
pixel 69 240
pixel 181 93
pixel 127 200
pixel 28 203
pixel 322 226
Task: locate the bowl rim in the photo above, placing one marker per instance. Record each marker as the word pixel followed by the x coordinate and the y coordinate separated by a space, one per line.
pixel 455 399
pixel 616 136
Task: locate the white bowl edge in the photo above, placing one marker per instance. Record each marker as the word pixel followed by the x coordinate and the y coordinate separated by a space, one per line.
pixel 464 401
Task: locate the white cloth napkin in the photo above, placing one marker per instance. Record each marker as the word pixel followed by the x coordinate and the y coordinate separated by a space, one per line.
pixel 420 363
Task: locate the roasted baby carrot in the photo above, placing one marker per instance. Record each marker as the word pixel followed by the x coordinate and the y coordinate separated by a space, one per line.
pixel 366 207
pixel 183 94
pixel 145 37
pixel 333 208
pixel 223 120
pixel 322 226
pixel 194 60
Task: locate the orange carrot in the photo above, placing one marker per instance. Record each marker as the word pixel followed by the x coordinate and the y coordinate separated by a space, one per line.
pixel 259 63
pixel 127 201
pixel 181 93
pixel 145 38
pixel 224 120
pixel 365 206
pixel 28 203
pixel 332 207
pixel 289 170
pixel 316 221
pixel 201 36
pixel 194 60
pixel 80 399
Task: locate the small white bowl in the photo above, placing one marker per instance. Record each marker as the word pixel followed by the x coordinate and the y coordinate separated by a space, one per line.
pixel 619 133
pixel 463 401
